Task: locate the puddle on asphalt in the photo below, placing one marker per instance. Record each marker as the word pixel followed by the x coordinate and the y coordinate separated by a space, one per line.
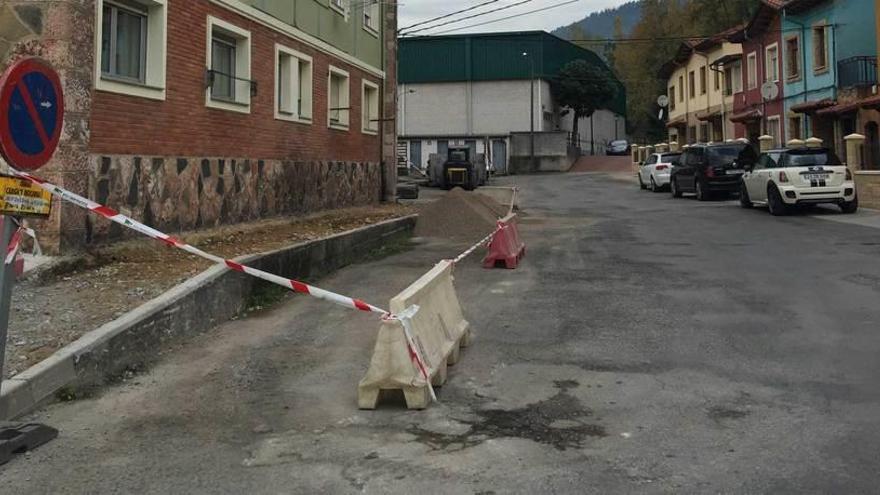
pixel 560 421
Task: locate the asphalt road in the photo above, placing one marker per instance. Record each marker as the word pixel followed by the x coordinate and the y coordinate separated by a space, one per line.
pixel 645 345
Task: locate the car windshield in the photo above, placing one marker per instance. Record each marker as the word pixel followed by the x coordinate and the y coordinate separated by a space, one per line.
pixel 725 155
pixel 618 143
pixel 673 158
pixel 810 158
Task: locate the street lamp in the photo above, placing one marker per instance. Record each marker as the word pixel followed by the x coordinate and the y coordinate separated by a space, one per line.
pixel 531 110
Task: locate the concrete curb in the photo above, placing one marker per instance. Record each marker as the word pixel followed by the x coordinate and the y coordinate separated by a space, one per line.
pixel 191 308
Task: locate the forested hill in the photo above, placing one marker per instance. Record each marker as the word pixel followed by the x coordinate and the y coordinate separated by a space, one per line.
pixel 601 24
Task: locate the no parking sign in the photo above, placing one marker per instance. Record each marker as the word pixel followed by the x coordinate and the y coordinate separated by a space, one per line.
pixel 31 113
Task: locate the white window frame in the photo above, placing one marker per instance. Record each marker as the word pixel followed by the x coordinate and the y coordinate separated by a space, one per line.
pixel 752 70
pixel 153 85
pixel 767 64
pixel 776 122
pixel 242 102
pixel 797 58
pixel 301 83
pixel 736 72
pixel 344 122
pixel 340 6
pixel 366 121
pixel 792 131
pixel 373 8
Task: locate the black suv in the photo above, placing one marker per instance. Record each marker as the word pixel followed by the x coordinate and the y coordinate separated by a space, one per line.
pixel 707 169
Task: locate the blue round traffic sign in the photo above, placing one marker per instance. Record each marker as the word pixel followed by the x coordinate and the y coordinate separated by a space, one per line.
pixel 31 113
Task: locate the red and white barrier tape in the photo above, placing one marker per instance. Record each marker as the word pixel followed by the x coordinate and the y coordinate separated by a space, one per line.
pixel 123 220
pixel 14 244
pixel 458 259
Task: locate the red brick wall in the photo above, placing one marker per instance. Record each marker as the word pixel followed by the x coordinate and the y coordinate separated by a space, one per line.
pixel 183 126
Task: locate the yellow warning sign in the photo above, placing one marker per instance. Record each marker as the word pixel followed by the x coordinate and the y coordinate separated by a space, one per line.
pixel 22 197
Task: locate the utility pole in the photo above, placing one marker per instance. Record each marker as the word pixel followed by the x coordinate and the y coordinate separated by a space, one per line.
pixel 531 111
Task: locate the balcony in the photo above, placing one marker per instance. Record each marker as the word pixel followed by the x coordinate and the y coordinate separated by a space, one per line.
pixel 857 72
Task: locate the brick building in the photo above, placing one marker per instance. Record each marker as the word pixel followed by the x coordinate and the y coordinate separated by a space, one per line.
pixel 193 113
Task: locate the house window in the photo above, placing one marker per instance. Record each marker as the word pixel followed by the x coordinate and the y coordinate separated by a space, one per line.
pixel 771 63
pixel 820 48
pixel 717 79
pixel 728 81
pixel 131 47
pixel 672 97
pixel 703 82
pixel 229 67
pixel 340 6
pixel 338 109
pixel 293 92
pixel 737 77
pixel 371 16
pixel 794 127
pixel 792 58
pixel 370 108
pixel 680 88
pixel 773 129
pixel 692 90
pixel 752 70
pixel 704 132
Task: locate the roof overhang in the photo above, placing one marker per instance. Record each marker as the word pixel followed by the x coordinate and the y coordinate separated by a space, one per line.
pixel 813 105
pixel 748 116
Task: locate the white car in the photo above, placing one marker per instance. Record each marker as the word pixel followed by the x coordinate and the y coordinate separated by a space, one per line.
pixel 654 173
pixel 784 178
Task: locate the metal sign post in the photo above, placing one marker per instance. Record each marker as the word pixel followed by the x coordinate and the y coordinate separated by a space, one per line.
pixel 31 117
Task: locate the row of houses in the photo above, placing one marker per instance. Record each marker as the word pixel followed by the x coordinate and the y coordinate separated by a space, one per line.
pixel 797 69
pixel 187 114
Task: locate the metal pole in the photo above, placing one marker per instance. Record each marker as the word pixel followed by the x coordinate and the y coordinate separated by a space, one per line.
pixel 7 279
pixel 532 113
pixel 592 138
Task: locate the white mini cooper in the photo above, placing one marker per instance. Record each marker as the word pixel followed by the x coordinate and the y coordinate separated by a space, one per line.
pixel 784 178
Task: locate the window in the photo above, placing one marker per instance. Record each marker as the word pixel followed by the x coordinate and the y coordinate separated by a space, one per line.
pixel 370 108
pixel 792 58
pixel 672 97
pixel 704 85
pixel 680 88
pixel 773 130
pixel 704 132
pixel 338 109
pixel 229 67
pixel 293 91
pixel 728 80
pixel 794 127
pixel 717 79
pixel 737 77
pixel 692 90
pixel 771 63
pixel 752 70
pixel 371 16
pixel 340 6
pixel 820 48
pixel 130 45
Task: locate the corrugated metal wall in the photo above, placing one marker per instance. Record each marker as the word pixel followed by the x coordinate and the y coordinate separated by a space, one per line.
pixel 492 57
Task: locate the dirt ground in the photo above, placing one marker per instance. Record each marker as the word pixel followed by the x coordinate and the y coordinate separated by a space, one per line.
pixel 60 304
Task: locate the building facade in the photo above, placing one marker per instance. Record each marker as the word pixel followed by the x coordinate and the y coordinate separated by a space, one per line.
pixel 191 114
pixel 477 90
pixel 761 41
pixel 701 82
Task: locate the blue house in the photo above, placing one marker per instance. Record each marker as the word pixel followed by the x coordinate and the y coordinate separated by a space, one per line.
pixel 829 49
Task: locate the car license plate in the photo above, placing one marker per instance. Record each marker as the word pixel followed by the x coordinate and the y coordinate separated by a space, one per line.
pixel 735 172
pixel 816 176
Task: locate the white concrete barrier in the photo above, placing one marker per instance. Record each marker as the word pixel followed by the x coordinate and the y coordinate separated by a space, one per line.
pixel 431 309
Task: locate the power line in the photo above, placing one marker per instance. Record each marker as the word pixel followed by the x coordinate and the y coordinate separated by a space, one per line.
pixel 503 18
pixel 447 15
pixel 454 21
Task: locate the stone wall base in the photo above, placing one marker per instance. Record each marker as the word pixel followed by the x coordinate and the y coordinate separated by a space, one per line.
pixel 868 187
pixel 187 193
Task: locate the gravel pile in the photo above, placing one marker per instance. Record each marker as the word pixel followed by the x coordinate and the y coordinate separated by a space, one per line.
pixel 460 215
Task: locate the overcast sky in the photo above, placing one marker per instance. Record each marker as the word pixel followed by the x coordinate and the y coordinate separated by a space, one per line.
pixel 413 11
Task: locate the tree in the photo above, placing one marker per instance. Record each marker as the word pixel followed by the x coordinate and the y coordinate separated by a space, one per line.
pixel 583 88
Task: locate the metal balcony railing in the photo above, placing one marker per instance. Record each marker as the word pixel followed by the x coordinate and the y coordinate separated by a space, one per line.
pixel 857 71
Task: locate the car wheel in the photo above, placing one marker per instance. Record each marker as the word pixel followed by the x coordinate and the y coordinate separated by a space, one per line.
pixel 744 200
pixel 702 193
pixel 775 203
pixel 673 188
pixel 641 184
pixel 850 207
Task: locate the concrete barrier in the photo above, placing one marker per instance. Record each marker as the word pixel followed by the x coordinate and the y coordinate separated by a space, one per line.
pixel 506 246
pixel 437 326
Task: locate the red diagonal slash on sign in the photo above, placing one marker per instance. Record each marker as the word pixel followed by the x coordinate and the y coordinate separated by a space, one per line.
pixel 32 111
